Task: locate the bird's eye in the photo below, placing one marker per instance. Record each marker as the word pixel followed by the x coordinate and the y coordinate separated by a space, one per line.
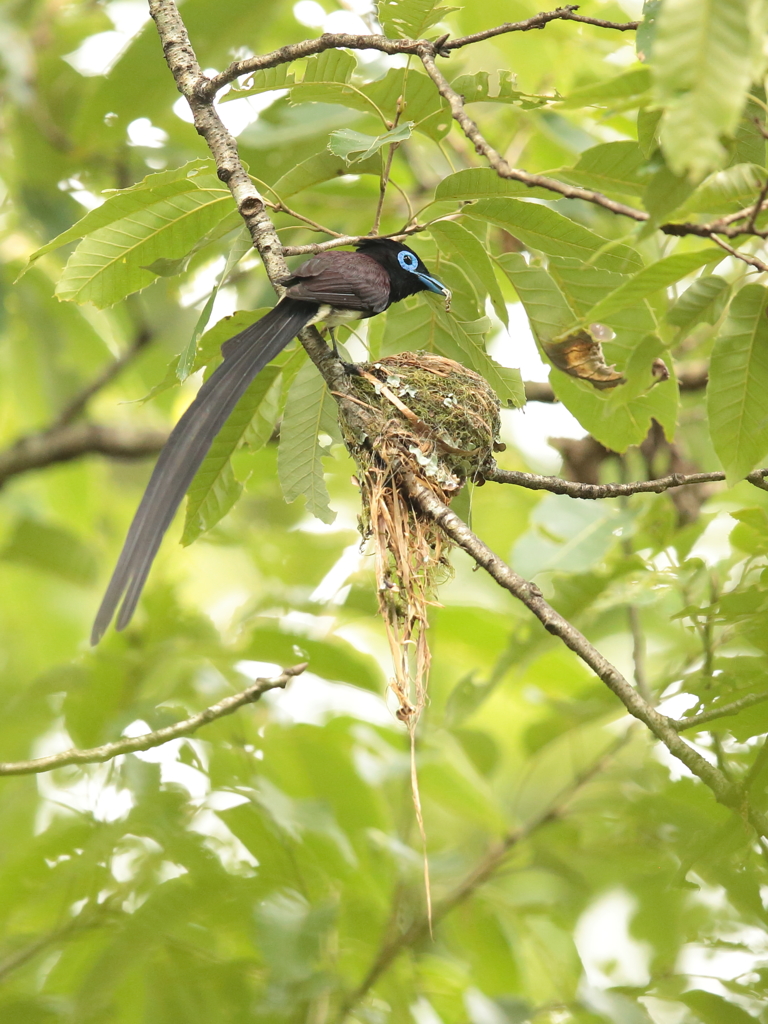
pixel 407 260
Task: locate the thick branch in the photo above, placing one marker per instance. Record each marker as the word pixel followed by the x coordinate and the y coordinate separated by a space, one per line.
pixel 129 745
pixel 65 443
pixel 197 91
pixel 555 485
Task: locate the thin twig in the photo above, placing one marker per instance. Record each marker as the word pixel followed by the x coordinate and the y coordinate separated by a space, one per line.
pixel 745 257
pixel 554 484
pixel 348 41
pixel 638 653
pixel 129 745
pixel 481 873
pixel 77 404
pixel 755 212
pixel 725 711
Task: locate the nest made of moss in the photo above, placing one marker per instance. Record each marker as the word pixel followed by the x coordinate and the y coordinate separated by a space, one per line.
pixel 438 420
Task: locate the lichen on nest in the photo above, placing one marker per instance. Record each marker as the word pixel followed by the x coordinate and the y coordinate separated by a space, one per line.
pixel 439 421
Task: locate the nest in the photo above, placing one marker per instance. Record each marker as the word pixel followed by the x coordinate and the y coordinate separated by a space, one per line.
pixel 439 421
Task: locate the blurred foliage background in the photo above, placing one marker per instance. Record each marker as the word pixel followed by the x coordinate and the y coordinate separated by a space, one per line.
pixel 270 868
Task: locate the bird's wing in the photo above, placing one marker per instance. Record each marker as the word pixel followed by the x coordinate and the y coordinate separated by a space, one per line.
pixel 347 280
pixel 186 448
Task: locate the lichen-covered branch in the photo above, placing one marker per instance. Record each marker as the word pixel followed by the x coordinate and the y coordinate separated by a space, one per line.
pixel 130 745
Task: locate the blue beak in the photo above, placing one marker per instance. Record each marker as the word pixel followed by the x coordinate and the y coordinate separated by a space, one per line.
pixel 433 285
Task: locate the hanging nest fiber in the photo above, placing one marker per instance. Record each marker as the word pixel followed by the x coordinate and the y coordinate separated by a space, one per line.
pixel 439 421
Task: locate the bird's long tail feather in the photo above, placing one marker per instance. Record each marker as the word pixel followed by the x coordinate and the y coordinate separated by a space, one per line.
pixel 244 356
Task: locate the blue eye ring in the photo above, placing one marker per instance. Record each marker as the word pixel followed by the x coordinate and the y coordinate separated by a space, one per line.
pixel 407 260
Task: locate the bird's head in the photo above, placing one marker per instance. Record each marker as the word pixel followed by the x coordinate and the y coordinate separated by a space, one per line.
pixel 407 273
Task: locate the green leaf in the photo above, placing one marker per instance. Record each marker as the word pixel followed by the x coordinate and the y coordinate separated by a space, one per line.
pixel 568 536
pixel 647 126
pixel 651 279
pixel 281 77
pixel 110 262
pixel 623 416
pixel 123 202
pixel 479 88
pixel 738 384
pixel 634 82
pixel 546 306
pixel 704 301
pixel 427 326
pixel 713 1009
pixel 484 183
pixel 611 167
pixel 465 248
pixel 547 231
pixel 735 187
pixel 309 409
pixel 345 142
pixel 333 658
pixel 214 490
pixel 406 92
pixel 409 19
pixel 242 244
pixel 701 77
pixel 323 166
pixel 666 192
pixel 51 549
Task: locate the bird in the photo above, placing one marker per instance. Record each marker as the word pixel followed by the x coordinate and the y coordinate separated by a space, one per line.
pixel 333 287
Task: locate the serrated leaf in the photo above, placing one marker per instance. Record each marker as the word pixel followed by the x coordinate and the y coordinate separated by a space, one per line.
pixel 121 203
pixel 409 19
pixel 463 247
pixel 110 263
pixel 701 77
pixel 309 409
pixel 651 279
pixel 703 301
pixel 738 384
pixel 630 84
pixel 215 489
pixel 346 142
pixel 550 232
pixel 484 183
pixel 321 167
pixel 427 326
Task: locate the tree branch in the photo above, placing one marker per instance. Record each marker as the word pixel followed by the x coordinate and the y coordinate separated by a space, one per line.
pixel 199 94
pixel 661 726
pixel 64 443
pixel 129 745
pixel 77 404
pixel 349 41
pixel 724 711
pixel 481 873
pixel 555 485
pixel 688 379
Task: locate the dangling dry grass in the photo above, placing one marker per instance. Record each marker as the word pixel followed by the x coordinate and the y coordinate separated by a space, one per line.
pixel 439 421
